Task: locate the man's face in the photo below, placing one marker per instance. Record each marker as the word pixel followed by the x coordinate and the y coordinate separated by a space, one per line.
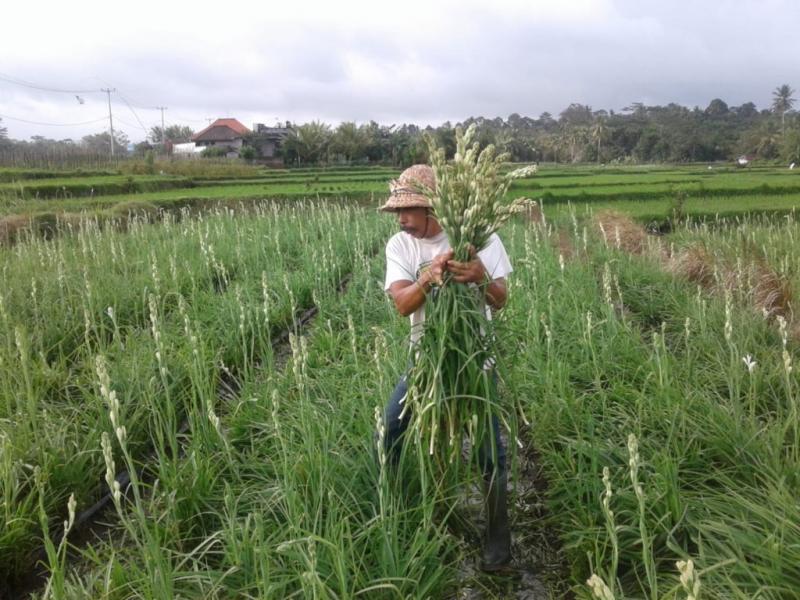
pixel 414 221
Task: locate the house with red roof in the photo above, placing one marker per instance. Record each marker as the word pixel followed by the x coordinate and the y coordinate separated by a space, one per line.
pixel 223 133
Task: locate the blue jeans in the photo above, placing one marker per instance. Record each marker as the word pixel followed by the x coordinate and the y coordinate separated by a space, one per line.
pixel 396 427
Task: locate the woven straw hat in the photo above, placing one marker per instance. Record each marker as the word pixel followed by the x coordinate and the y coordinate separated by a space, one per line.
pixel 406 190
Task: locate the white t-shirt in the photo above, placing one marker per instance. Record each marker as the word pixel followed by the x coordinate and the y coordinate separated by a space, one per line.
pixel 407 258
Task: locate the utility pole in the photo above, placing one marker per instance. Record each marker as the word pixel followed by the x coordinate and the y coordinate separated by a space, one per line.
pixel 110 118
pixel 163 131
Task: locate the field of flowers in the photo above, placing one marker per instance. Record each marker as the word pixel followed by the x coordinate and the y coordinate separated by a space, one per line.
pixel 664 401
pixel 169 367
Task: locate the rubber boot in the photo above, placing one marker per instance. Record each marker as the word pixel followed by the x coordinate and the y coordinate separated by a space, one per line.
pixel 497 543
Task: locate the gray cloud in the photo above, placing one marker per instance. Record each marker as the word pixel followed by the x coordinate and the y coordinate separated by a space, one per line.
pixel 432 65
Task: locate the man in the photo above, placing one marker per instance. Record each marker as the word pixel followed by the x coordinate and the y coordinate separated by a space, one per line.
pixel 417 259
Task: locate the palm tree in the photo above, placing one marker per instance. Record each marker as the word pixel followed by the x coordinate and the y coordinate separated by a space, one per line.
pixel 637 108
pixel 550 142
pixel 349 141
pixel 504 141
pixel 767 140
pixel 782 102
pixel 599 133
pixel 574 138
pixel 311 141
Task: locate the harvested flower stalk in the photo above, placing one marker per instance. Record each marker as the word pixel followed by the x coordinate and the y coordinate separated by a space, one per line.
pixel 452 391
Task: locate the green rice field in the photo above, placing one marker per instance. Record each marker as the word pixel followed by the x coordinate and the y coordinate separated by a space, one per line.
pixel 647 191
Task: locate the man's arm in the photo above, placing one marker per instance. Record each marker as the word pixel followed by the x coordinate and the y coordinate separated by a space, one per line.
pixel 408 295
pixel 496 293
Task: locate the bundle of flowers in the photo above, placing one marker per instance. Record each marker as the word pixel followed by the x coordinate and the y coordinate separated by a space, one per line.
pixel 452 386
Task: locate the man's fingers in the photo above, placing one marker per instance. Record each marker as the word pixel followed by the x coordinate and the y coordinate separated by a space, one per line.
pixel 459 272
pixel 443 259
pixel 454 265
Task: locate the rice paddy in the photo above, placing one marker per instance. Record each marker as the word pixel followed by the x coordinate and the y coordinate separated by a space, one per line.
pixel 166 362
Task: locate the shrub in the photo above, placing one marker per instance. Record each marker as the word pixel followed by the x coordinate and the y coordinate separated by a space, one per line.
pixel 214 152
pixel 149 162
pixel 247 153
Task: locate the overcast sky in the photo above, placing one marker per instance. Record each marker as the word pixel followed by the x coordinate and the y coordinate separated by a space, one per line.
pixel 412 61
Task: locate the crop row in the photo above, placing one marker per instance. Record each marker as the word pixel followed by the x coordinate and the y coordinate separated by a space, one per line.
pixel 140 184
pixel 689 400
pixel 711 210
pixel 280 496
pixel 599 187
pixel 199 171
pixel 164 309
pixel 95 186
pixel 275 492
pixel 615 363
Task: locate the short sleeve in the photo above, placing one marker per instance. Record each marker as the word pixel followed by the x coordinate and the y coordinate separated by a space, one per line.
pixel 495 258
pixel 398 267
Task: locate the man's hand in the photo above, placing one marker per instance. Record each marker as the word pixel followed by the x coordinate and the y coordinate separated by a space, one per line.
pixel 439 265
pixel 472 271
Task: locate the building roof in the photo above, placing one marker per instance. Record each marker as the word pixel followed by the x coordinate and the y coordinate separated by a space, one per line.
pixel 221 130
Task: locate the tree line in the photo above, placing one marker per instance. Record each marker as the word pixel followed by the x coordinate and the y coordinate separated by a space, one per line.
pixel 637 134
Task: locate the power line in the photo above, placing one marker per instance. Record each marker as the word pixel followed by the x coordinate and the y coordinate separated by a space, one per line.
pixel 53 124
pixel 107 91
pixel 133 111
pixel 130 104
pixel 128 123
pixel 134 104
pixel 43 88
